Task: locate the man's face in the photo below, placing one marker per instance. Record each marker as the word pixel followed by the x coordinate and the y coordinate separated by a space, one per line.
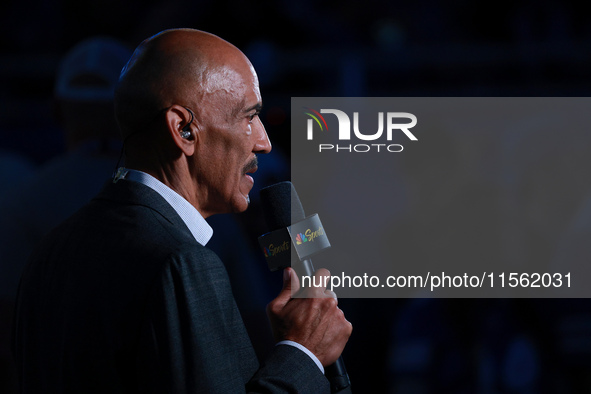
pixel 229 134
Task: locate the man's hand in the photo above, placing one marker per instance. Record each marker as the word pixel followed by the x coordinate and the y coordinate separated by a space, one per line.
pixel 314 322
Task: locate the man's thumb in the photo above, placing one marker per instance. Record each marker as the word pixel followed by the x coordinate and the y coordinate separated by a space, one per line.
pixel 291 284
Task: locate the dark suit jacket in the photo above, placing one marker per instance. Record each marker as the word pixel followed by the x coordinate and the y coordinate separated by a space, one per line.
pixel 120 298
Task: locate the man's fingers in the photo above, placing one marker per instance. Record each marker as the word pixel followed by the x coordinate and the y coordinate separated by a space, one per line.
pixel 312 318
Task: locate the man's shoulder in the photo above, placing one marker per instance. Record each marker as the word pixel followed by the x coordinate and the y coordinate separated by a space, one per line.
pixel 123 223
pixel 121 240
pixel 128 208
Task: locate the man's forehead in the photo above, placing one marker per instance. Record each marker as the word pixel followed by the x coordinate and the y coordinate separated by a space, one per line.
pixel 220 79
pixel 237 87
pixel 228 78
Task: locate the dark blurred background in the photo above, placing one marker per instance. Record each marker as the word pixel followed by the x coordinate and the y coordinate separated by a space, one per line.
pixel 345 48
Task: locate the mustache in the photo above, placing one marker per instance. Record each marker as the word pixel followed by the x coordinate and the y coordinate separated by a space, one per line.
pixel 251 165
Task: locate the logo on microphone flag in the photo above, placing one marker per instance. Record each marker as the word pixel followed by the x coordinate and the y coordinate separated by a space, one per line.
pixel 300 239
pixel 309 235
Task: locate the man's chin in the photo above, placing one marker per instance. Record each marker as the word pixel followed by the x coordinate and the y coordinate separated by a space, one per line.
pixel 242 204
pixel 245 189
pixel 247 201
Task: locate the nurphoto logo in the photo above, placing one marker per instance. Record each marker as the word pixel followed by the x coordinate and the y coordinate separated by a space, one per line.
pixel 393 125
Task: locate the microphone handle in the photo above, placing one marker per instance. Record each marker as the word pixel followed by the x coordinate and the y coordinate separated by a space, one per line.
pixel 338 377
pixel 335 373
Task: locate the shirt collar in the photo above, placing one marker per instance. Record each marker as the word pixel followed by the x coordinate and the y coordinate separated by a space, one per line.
pixel 201 230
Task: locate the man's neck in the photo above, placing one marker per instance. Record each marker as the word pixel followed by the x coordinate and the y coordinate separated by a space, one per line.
pixel 177 177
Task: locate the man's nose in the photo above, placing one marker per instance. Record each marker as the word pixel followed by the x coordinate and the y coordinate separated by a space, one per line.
pixel 262 144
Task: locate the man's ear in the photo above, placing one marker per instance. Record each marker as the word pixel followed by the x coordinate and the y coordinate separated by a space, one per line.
pixel 182 129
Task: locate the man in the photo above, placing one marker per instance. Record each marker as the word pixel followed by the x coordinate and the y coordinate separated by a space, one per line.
pixel 123 297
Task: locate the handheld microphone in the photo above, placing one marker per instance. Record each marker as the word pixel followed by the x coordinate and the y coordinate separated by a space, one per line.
pixel 292 240
pixel 293 237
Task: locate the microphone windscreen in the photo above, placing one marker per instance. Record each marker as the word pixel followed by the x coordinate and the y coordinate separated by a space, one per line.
pixel 281 205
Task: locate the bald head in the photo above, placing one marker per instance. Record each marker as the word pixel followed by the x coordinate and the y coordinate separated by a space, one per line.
pixel 181 66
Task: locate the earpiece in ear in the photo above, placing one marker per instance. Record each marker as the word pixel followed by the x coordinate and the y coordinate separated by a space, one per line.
pixel 186 131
